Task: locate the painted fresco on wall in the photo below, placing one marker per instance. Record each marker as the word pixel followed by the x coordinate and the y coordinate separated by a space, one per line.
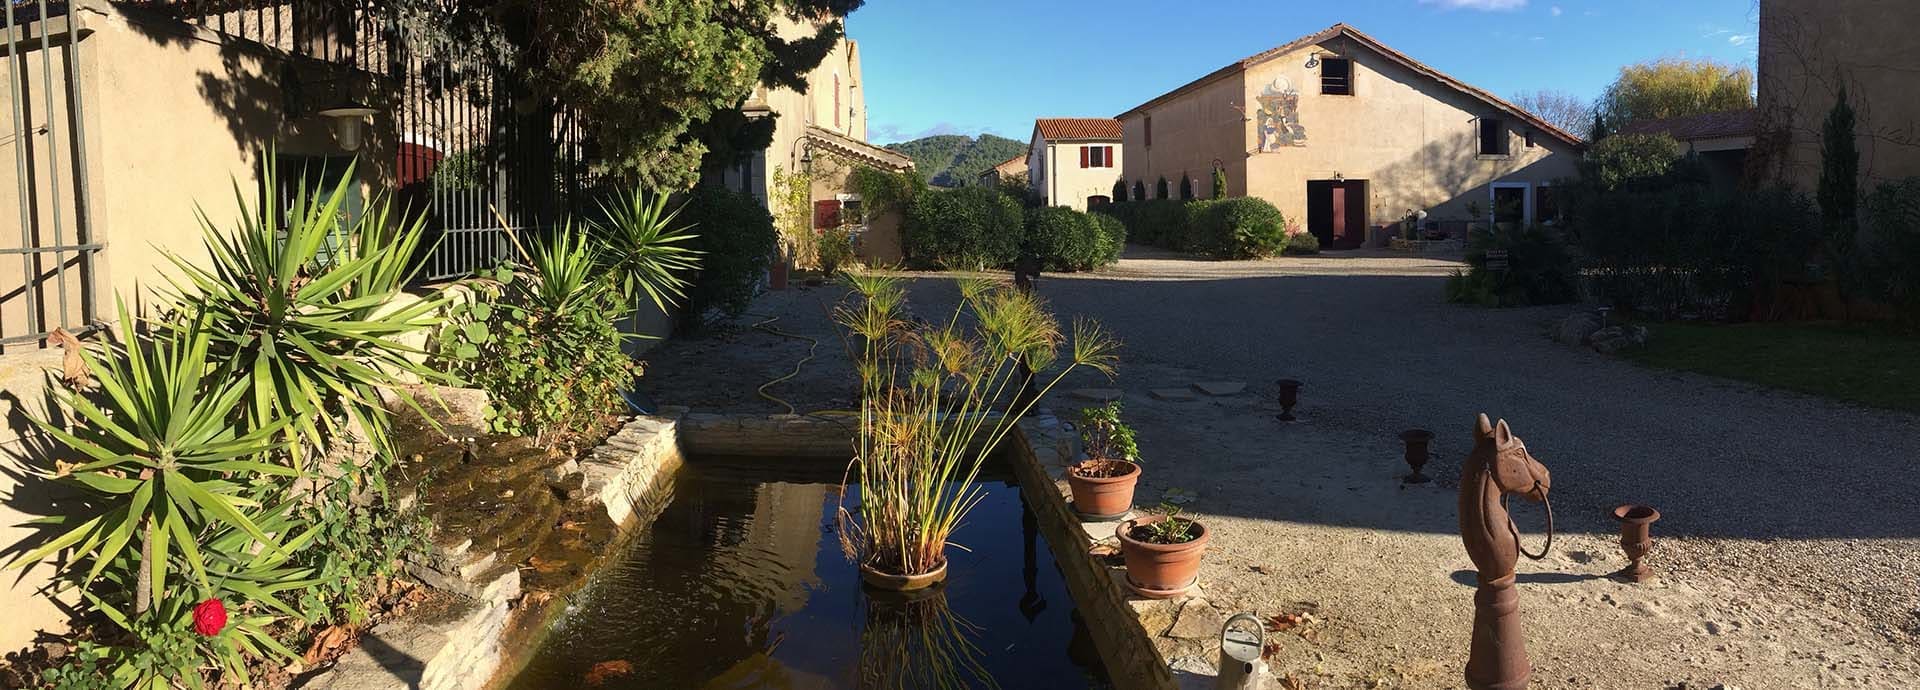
pixel 1279 116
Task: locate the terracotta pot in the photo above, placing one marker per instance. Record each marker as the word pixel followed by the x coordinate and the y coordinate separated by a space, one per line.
pixel 1103 498
pixel 901 583
pixel 1161 571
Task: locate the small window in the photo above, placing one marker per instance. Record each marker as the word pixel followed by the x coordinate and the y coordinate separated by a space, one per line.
pixel 850 213
pixel 1149 130
pixel 1529 136
pixel 1493 136
pixel 1096 156
pixel 1336 77
pixel 1546 206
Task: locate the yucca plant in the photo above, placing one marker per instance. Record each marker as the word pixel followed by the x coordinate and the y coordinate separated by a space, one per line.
pixel 170 476
pixel 936 401
pixel 300 303
pixel 642 247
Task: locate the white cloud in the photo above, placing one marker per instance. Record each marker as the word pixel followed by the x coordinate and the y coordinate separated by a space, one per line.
pixel 1555 10
pixel 1489 5
pixel 1739 39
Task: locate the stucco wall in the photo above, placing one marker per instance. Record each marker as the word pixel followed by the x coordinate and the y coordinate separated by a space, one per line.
pixel 1808 50
pixel 174 117
pixel 1189 134
pixel 1062 182
pixel 1411 138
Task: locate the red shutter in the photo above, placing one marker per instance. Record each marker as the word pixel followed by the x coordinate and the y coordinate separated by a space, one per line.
pixel 826 213
pixel 836 101
pixel 1083 156
pixel 1106 153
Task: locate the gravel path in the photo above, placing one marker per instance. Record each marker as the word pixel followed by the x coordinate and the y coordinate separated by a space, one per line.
pixel 1788 551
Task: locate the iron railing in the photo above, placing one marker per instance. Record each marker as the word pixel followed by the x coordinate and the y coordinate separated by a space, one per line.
pixel 57 251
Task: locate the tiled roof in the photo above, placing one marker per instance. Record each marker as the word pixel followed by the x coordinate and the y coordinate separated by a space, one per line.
pixel 865 152
pixel 1369 42
pixel 1726 123
pixel 1021 159
pixel 1059 128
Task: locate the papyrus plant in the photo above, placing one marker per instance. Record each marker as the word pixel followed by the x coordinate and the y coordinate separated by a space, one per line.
pixel 936 399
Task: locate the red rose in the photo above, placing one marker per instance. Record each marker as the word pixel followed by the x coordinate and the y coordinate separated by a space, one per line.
pixel 209 617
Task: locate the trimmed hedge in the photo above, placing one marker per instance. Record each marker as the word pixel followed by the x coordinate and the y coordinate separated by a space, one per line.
pixel 965 228
pixel 735 236
pixel 1237 228
pixel 1068 240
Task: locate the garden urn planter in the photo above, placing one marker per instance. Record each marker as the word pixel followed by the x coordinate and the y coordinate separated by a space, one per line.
pixel 1289 396
pixel 1161 571
pixel 1417 441
pixel 891 582
pixel 1102 489
pixel 777 274
pixel 1636 524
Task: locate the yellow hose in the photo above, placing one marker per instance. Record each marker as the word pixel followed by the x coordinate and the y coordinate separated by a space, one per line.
pixel 813 345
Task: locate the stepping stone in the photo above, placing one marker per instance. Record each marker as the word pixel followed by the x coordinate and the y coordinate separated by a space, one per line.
pixel 1096 394
pixel 1220 388
pixel 1172 394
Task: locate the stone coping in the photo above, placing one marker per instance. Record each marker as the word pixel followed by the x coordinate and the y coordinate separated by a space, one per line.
pixel 478 639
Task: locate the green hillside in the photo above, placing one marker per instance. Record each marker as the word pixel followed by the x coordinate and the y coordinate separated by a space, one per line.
pixel 955 160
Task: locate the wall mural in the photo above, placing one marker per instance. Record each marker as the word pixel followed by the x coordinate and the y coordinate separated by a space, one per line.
pixel 1279 116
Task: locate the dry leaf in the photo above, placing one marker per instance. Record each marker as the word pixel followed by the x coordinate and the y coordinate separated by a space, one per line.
pixel 1293 682
pixel 604 670
pixel 73 368
pixel 1282 622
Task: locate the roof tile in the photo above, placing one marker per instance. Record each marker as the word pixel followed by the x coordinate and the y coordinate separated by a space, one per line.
pixel 1058 128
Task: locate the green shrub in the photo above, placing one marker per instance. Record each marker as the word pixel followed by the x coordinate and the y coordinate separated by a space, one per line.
pixel 1302 243
pixel 1068 240
pixel 735 237
pixel 1238 228
pixel 835 249
pixel 1113 237
pixel 966 228
pixel 543 341
pixel 1539 269
pixel 1892 234
pixel 1156 222
pixel 1623 158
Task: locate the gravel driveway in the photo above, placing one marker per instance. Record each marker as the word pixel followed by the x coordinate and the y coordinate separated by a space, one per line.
pixel 1788 551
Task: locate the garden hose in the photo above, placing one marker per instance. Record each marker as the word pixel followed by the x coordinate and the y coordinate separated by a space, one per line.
pixel 813 345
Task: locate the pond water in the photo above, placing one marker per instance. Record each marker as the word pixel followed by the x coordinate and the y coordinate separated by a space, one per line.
pixel 740 583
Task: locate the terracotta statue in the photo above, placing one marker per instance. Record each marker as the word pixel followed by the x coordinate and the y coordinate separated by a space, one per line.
pixel 1499 465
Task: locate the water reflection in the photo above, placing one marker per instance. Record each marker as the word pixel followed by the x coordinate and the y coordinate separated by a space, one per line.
pixel 741 584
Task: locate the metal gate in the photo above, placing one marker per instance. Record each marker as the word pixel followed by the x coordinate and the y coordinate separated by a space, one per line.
pixel 48 279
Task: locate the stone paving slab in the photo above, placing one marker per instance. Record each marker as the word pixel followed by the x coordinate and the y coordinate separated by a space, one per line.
pixel 1220 388
pixel 1172 394
pixel 1098 395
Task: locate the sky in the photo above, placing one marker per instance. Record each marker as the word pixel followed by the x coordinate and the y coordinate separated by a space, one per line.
pixel 974 66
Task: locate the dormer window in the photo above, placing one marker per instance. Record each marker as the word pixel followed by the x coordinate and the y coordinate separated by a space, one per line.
pixel 1336 76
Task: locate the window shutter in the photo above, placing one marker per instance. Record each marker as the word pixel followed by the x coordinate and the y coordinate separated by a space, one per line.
pixel 1083 156
pixel 826 213
pixel 1109 156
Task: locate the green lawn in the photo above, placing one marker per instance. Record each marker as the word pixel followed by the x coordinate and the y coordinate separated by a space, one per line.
pixel 1868 365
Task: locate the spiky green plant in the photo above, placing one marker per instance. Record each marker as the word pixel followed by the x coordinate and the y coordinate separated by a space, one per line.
pixel 647 253
pixel 172 522
pixel 301 303
pixel 936 401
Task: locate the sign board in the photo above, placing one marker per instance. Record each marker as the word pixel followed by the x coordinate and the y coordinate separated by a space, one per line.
pixel 1496 259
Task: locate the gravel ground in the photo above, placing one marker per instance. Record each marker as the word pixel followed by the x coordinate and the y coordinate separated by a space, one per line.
pixel 1787 554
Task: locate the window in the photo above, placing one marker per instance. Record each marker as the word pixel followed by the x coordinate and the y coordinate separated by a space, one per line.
pixel 1336 77
pixel 1493 136
pixel 1149 130
pixel 1098 200
pixel 1529 135
pixel 1546 208
pixel 1096 156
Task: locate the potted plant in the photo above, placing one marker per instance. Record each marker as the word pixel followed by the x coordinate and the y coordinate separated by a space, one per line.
pixel 1162 552
pixel 936 400
pixel 1102 483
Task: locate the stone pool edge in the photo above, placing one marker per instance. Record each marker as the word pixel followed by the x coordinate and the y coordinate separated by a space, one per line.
pixel 484 639
pixel 1042 451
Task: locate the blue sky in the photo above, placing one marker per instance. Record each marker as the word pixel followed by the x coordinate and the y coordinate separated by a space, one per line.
pixel 972 66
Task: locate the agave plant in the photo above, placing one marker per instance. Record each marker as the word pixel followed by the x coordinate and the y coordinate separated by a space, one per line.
pixel 640 245
pixel 936 401
pixel 300 303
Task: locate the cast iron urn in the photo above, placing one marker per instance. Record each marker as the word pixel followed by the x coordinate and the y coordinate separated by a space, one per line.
pixel 1289 396
pixel 1417 441
pixel 1636 525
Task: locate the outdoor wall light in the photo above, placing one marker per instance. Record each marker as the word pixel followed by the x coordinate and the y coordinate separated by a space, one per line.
pixel 348 119
pixel 1313 60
